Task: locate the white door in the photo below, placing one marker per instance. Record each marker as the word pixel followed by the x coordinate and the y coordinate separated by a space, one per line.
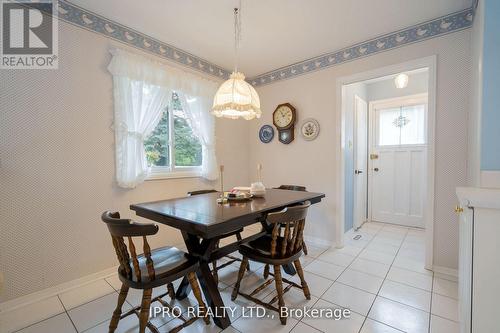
pixel 360 161
pixel 398 152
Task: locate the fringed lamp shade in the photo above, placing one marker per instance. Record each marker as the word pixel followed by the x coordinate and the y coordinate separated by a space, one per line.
pixel 236 98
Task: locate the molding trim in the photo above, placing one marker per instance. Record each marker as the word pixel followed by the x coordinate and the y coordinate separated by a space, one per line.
pixel 434 28
pixel 318 241
pixel 88 20
pixel 339 150
pixel 440 26
pixel 445 270
pixel 55 290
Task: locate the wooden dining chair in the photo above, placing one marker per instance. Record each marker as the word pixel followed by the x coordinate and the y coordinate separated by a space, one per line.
pixel 237 233
pixel 153 268
pixel 295 188
pixel 282 247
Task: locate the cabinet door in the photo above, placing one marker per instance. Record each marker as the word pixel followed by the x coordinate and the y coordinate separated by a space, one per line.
pixel 465 269
pixel 486 271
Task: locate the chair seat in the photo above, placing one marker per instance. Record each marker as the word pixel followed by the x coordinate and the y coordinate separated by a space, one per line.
pixel 260 250
pixel 169 264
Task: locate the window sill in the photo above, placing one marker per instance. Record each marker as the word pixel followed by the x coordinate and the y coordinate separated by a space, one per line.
pixel 174 175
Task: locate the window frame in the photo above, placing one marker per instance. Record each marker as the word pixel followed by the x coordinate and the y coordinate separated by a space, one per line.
pixel 173 171
pixel 409 100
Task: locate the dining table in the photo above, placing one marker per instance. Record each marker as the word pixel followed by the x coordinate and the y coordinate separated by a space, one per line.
pixel 202 221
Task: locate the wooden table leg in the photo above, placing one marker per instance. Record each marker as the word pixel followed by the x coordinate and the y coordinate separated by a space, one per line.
pixel 202 248
pixel 212 295
pixel 192 244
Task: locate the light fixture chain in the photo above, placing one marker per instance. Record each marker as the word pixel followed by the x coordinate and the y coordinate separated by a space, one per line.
pixel 237 35
pixel 236 98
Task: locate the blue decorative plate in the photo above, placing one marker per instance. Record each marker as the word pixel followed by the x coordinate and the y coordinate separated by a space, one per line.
pixel 266 133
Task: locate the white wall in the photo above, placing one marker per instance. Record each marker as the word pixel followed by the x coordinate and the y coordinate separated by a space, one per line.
pixel 314 163
pixel 57 168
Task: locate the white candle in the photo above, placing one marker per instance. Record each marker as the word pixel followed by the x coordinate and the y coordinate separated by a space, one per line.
pixel 221 168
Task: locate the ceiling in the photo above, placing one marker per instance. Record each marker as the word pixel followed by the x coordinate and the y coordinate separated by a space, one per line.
pixel 275 33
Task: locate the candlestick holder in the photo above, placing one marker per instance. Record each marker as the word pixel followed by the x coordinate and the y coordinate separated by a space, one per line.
pixel 222 199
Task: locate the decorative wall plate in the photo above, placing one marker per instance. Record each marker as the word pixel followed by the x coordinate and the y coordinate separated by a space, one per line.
pixel 309 129
pixel 266 133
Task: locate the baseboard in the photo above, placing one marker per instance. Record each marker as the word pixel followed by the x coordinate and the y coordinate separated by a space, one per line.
pixel 61 288
pixel 349 233
pixel 55 290
pixel 318 241
pixel 445 270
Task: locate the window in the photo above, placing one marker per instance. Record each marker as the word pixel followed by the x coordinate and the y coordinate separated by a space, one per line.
pixel 401 124
pixel 172 149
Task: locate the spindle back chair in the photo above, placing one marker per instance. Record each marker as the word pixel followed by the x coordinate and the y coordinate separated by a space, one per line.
pixel 146 271
pixel 282 247
pixel 295 188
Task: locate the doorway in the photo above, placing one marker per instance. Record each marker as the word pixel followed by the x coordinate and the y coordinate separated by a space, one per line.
pixel 386 167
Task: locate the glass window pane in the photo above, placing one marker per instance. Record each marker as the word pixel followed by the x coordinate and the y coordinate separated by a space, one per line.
pixel 414 131
pixel 156 145
pixel 401 126
pixel 187 146
pixel 388 133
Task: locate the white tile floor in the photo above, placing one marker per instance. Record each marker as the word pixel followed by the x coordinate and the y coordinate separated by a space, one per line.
pixel 380 277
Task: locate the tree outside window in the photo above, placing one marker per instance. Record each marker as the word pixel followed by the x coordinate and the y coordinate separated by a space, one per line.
pixel 173 145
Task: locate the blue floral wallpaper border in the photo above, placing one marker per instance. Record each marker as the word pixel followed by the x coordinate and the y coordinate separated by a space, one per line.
pixel 437 27
pixel 430 29
pixel 88 20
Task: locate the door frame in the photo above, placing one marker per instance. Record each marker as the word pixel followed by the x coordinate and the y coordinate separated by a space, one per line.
pixel 430 64
pixel 416 98
pixel 355 157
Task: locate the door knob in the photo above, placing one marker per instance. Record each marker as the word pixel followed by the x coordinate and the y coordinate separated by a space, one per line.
pixel 375 169
pixel 357 172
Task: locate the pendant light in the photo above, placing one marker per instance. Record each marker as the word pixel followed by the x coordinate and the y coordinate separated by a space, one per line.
pixel 236 98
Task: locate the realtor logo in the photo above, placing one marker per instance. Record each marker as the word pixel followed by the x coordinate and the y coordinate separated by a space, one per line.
pixel 29 34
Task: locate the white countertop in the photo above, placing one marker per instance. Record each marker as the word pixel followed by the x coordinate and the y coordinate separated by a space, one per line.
pixel 479 197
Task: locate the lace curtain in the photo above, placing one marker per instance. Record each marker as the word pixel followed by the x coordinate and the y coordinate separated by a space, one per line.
pixel 203 125
pixel 142 88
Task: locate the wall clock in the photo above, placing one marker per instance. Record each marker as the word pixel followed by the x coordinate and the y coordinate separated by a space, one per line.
pixel 309 129
pixel 284 119
pixel 266 133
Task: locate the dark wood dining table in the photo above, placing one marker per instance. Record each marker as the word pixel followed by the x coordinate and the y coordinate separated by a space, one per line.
pixel 202 221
